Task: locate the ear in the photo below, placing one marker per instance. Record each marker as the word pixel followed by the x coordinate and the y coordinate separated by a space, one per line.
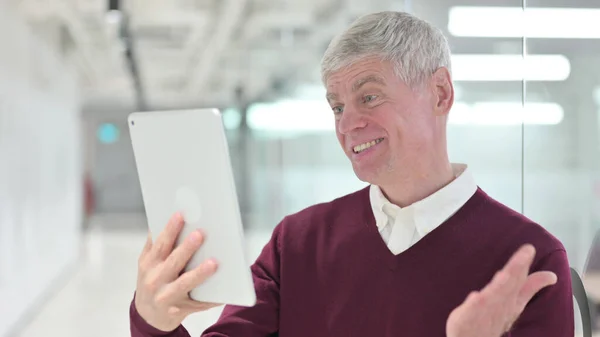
pixel 443 91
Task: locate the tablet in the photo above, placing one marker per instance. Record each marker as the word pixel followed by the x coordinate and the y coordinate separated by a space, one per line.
pixel 184 166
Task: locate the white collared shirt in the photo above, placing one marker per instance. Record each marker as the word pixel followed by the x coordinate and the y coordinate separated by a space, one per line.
pixel 401 228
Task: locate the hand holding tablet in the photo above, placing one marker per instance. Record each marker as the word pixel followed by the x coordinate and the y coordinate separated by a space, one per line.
pixel 162 290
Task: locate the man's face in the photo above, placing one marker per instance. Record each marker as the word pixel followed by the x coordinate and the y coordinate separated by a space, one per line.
pixel 381 123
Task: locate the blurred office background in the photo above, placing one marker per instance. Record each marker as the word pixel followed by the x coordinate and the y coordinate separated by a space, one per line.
pixel 526 120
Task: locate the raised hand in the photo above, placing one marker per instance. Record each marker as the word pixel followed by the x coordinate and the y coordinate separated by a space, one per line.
pixel 492 311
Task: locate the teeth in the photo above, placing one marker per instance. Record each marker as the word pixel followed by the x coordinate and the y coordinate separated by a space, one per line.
pixel 362 147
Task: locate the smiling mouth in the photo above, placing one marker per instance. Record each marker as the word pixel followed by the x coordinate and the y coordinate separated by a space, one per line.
pixel 360 148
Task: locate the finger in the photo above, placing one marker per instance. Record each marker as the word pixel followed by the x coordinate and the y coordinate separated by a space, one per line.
pixel 498 286
pixel 195 306
pixel 191 279
pixel 165 241
pixel 474 299
pixel 520 262
pixel 188 310
pixel 147 245
pixel 180 257
pixel 535 282
pixel 145 252
pixel 509 280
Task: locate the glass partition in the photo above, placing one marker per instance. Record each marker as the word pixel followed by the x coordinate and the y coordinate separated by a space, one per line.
pixel 485 123
pixel 561 167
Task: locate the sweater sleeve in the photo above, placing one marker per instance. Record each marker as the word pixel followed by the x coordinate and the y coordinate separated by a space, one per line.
pixel 550 312
pixel 139 328
pixel 261 320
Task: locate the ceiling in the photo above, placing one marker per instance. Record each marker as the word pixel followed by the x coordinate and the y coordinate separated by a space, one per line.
pixel 221 52
pixel 197 52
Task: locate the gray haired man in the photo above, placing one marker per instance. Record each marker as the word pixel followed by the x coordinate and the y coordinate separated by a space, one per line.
pixel 421 251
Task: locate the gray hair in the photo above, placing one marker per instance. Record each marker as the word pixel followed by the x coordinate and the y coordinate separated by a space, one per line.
pixel 415 48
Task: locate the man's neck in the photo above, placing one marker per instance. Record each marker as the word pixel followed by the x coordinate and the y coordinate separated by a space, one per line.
pixel 411 186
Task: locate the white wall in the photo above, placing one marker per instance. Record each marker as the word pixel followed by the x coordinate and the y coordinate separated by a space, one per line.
pixel 40 178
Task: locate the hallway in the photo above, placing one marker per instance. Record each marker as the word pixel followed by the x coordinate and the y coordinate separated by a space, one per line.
pixel 94 301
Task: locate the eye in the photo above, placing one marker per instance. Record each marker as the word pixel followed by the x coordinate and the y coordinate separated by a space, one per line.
pixel 337 109
pixel 370 98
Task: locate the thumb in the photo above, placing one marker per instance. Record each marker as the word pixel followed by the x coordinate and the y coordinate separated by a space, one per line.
pixel 534 283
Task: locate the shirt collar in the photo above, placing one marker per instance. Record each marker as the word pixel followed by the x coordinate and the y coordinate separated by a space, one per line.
pixel 432 211
pixel 378 201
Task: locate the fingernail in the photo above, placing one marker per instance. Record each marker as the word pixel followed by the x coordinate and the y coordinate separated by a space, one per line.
pixel 211 264
pixel 554 278
pixel 196 236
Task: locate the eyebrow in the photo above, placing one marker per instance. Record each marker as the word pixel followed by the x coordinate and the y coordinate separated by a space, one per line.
pixel 369 79
pixel 331 97
pixel 358 84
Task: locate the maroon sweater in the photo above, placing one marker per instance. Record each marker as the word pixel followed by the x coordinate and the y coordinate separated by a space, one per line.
pixel 327 272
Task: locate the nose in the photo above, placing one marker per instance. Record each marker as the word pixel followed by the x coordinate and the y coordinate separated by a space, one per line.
pixel 350 120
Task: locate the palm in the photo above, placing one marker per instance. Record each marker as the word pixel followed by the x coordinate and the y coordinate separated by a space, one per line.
pixel 492 311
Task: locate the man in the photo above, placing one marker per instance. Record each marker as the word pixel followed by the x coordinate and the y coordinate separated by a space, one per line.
pixel 421 252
